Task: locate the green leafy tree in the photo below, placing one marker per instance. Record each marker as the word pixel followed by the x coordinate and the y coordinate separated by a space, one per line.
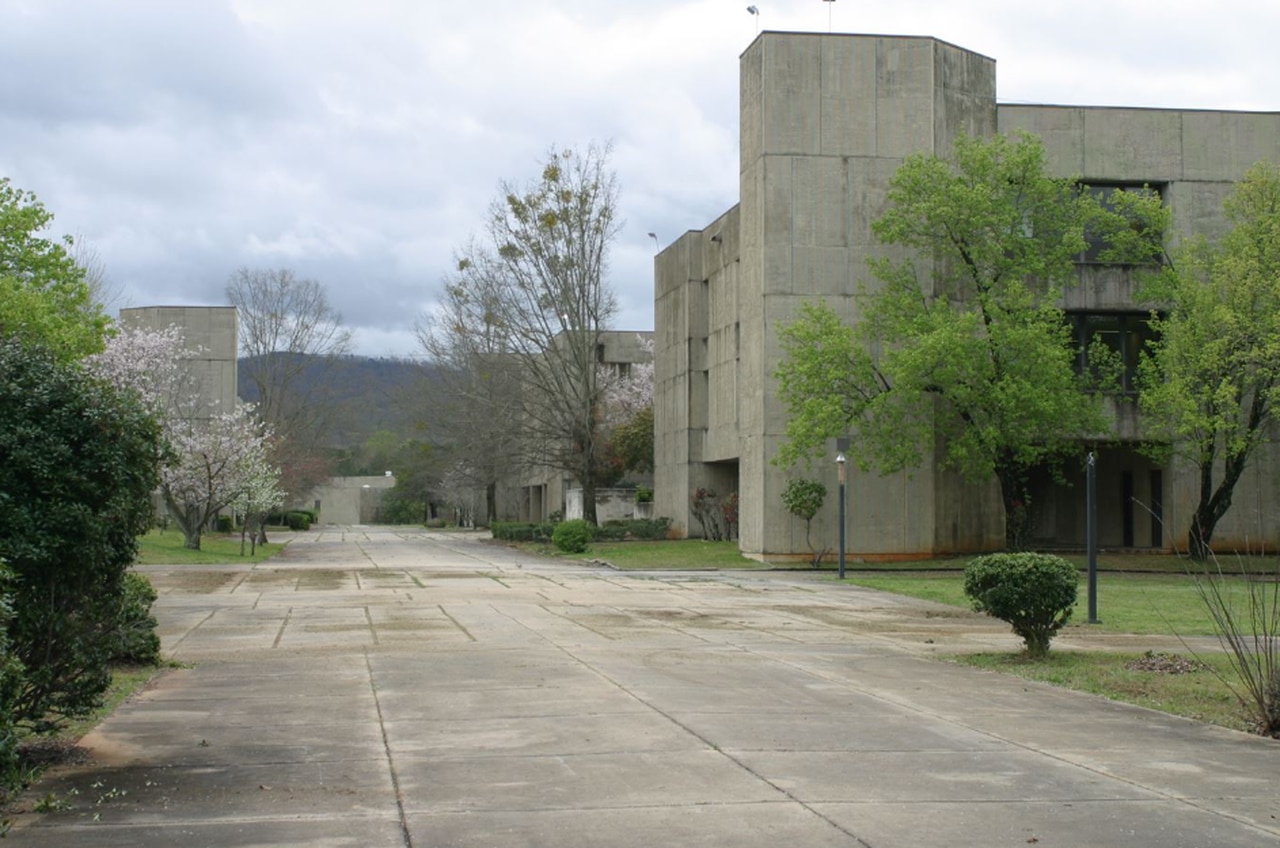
pixel 632 441
pixel 45 297
pixel 963 343
pixel 1211 383
pixel 78 466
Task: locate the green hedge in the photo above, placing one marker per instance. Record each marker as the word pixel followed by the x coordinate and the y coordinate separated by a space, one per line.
pixel 646 529
pixel 520 531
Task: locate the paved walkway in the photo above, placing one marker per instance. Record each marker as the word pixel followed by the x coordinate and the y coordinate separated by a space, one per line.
pixel 374 687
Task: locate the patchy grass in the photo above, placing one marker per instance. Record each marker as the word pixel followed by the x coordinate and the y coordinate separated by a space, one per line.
pixel 39 752
pixel 1145 604
pixel 674 554
pixel 1199 694
pixel 1128 563
pixel 166 547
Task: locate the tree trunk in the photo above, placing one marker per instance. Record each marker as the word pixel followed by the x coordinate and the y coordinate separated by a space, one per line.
pixel 589 499
pixel 1017 506
pixel 491 502
pixel 190 529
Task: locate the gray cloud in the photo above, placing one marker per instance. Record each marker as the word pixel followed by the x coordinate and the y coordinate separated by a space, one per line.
pixel 360 143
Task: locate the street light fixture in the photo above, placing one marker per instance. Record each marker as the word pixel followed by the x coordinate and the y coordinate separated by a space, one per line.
pixel 840 476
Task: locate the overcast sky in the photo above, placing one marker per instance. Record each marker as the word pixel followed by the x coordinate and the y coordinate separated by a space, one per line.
pixel 358 142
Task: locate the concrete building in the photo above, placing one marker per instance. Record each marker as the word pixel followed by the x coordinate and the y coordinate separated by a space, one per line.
pixel 534 491
pixel 348 500
pixel 825 122
pixel 212 331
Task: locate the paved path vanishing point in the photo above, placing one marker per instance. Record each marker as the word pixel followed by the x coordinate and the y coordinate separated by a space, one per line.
pixel 381 687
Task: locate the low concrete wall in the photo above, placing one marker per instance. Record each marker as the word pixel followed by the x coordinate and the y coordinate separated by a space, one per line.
pixel 611 505
pixel 347 500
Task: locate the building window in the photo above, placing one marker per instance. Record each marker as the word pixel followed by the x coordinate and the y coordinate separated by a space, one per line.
pixel 1106 194
pixel 1109 346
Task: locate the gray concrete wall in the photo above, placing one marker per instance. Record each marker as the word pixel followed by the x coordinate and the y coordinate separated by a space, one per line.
pixel 826 120
pixel 210 329
pixel 347 500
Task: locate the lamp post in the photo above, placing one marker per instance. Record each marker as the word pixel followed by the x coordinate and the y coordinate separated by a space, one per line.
pixel 840 477
pixel 1091 534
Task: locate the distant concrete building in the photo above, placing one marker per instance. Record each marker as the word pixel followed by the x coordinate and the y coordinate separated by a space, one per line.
pixel 534 492
pixel 348 500
pixel 825 122
pixel 212 331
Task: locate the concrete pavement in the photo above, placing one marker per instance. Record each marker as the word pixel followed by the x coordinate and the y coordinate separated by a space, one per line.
pixel 381 687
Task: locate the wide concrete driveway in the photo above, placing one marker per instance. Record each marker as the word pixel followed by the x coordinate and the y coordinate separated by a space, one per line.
pixel 374 687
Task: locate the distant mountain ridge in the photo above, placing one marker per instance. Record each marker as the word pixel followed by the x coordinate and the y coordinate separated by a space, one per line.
pixel 367 394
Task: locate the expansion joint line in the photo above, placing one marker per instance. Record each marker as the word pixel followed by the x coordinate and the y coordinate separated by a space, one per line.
pixel 711 746
pixel 405 837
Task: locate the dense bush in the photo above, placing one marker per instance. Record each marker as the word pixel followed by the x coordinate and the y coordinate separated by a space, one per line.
pixel 1034 593
pixel 135 631
pixel 399 507
pixel 78 465
pixel 647 529
pixel 572 536
pixel 11 677
pixel 297 520
pixel 224 524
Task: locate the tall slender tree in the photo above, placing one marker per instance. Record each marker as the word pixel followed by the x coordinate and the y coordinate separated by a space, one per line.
pixel 1210 387
pixel 539 283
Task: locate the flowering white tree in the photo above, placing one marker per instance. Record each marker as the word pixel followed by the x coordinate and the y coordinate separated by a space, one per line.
pixel 216 461
pixel 150 364
pixel 259 497
pixel 628 412
pixel 629 393
pixel 213 459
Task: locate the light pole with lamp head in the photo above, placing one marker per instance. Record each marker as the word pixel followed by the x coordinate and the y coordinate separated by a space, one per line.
pixel 841 461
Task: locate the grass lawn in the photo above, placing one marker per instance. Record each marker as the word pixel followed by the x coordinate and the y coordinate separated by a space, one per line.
pixel 1140 594
pixel 683 554
pixel 1150 604
pixel 166 547
pixel 1199 694
pixel 1146 604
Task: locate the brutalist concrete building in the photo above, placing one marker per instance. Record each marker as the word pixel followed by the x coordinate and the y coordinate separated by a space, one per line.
pixel 825 122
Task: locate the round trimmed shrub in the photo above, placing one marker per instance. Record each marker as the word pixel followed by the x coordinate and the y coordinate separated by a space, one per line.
pixel 1034 593
pixel 572 537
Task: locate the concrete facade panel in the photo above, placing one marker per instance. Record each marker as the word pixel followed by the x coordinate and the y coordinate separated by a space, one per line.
pixel 791 96
pixel 848 76
pixel 211 335
pixel 1059 128
pixel 819 202
pixel 1221 146
pixel 1143 145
